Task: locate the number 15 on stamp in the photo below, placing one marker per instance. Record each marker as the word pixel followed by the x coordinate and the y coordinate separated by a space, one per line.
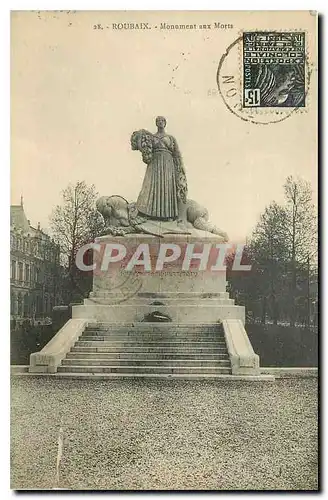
pixel 252 97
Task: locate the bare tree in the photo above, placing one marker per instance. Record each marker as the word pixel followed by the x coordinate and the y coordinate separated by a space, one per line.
pixel 283 253
pixel 74 223
pixel 301 232
pixel 269 252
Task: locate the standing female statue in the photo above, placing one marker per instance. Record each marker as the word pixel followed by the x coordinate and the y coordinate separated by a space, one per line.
pixel 164 187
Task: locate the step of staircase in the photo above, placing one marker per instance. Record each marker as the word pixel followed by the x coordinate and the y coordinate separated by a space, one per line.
pixel 139 348
pixel 145 362
pixel 149 349
pixel 157 327
pixel 224 377
pixel 145 355
pixel 155 337
pixel 148 343
pixel 154 326
pixel 144 369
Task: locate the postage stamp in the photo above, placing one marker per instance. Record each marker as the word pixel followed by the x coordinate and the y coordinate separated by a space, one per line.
pixel 273 69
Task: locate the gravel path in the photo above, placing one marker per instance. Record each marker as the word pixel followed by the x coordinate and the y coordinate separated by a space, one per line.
pixel 164 434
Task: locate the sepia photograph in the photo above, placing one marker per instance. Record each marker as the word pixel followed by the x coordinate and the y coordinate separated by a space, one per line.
pixel 164 298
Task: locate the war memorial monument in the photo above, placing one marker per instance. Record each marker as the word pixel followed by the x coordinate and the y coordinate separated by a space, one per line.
pixel 159 305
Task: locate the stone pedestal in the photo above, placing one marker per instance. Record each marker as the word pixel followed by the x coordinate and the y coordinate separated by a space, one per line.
pixel 190 297
pixel 187 294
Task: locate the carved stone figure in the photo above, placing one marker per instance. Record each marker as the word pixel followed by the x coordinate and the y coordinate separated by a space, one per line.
pixel 198 217
pixel 122 218
pixel 162 206
pixel 165 183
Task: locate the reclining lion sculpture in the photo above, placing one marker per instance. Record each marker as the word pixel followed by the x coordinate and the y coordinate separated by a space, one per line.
pixel 121 218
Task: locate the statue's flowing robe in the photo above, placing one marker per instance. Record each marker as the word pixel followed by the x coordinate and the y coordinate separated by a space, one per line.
pixel 165 181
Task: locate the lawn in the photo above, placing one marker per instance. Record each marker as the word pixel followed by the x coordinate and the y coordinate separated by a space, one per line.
pixel 284 346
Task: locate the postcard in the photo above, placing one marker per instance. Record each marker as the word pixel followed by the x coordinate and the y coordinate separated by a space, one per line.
pixel 163 250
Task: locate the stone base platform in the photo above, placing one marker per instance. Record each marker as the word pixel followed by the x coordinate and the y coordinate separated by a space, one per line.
pixel 117 376
pixel 114 332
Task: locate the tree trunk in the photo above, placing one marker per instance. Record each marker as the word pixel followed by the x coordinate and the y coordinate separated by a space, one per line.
pixel 275 310
pixel 264 307
pixel 308 298
pixel 293 296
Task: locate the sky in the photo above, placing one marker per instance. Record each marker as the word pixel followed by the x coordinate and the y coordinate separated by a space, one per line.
pixel 78 93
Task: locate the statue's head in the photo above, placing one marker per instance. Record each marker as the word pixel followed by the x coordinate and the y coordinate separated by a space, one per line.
pixel 161 122
pixel 114 210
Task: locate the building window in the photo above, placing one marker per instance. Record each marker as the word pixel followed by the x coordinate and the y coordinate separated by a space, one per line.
pixel 32 306
pixel 19 305
pixel 38 305
pixel 12 304
pixel 26 305
pixel 20 271
pixel 13 269
pixel 27 272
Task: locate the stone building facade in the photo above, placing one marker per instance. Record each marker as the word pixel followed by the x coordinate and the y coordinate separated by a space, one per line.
pixel 35 269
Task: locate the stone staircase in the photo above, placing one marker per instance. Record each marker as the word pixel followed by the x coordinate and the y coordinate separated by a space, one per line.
pixel 149 349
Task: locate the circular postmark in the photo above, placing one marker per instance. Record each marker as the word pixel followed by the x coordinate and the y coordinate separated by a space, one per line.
pixel 111 285
pixel 114 288
pixel 122 291
pixel 230 81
